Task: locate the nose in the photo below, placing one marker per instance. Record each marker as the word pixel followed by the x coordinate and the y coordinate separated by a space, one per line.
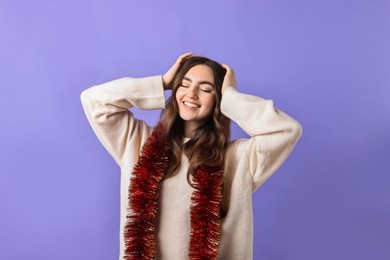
pixel 192 93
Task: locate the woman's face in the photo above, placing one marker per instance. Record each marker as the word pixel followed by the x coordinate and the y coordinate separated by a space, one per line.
pixel 195 97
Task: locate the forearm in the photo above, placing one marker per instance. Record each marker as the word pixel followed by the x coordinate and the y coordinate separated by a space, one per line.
pixel 255 115
pixel 106 107
pixel 121 94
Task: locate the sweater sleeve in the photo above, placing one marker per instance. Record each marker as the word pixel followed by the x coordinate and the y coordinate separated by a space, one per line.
pixel 107 109
pixel 273 133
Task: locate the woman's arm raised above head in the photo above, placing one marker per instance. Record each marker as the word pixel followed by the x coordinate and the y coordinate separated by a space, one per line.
pixel 107 109
pixel 273 132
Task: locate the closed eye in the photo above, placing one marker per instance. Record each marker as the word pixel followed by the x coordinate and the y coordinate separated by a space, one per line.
pixel 183 86
pixel 206 90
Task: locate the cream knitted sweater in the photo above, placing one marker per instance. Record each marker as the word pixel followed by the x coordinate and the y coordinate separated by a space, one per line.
pixel 249 162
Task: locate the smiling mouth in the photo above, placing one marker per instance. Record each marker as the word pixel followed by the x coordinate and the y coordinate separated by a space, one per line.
pixel 191 105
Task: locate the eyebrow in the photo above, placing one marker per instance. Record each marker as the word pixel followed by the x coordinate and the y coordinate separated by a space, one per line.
pixel 200 82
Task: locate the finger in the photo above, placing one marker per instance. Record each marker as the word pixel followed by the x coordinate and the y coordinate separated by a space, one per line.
pixel 181 57
pixel 226 67
pixel 187 54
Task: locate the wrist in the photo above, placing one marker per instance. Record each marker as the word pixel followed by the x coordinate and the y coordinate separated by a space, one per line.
pixel 165 84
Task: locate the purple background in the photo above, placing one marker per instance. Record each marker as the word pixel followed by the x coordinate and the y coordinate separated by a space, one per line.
pixel 326 63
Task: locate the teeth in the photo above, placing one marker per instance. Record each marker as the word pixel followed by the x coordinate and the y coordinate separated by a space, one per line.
pixel 190 105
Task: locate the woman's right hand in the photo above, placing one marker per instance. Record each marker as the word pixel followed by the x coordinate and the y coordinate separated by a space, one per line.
pixel 168 77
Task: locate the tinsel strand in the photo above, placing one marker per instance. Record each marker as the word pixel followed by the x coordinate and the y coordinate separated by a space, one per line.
pixel 205 213
pixel 143 198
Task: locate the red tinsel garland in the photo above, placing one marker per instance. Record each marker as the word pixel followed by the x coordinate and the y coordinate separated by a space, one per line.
pixel 144 190
pixel 205 213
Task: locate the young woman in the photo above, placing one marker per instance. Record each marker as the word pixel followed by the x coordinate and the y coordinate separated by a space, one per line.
pixel 186 189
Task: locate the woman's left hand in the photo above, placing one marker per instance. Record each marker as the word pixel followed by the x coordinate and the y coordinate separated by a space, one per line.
pixel 229 79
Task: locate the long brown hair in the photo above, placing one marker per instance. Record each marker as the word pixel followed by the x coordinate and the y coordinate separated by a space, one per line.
pixel 209 141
